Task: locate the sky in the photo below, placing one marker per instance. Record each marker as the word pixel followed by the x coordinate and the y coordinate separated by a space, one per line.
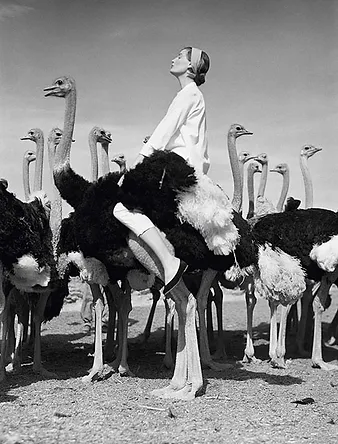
pixel 274 67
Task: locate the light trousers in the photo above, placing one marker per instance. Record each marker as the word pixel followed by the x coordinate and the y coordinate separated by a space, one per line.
pixel 137 222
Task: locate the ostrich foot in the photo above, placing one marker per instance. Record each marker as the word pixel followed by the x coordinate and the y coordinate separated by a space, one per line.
pixel 319 363
pixel 185 393
pixel 14 367
pixel 41 371
pixel 247 359
pixel 168 362
pixel 95 373
pixel 216 366
pixel 278 363
pixel 121 369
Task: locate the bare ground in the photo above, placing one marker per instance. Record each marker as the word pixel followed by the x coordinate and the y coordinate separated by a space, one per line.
pixel 250 403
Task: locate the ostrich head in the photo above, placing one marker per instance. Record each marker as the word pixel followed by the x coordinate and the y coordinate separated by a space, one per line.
pixel 309 150
pixel 30 156
pixel 62 86
pixel 244 156
pixel 262 158
pixel 254 167
pixel 281 168
pixel 34 134
pixel 55 135
pixel 120 160
pixel 100 135
pixel 237 130
pixel 4 183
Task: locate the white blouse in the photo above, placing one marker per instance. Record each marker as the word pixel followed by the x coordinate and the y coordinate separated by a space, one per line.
pixel 183 129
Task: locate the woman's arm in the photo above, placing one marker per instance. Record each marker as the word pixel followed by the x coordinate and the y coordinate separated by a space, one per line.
pixel 176 115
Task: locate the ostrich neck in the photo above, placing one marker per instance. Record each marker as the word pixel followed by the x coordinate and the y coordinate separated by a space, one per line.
pixel 25 175
pixel 63 152
pixel 236 174
pixel 39 164
pixel 55 217
pixel 307 182
pixel 251 194
pixel 93 155
pixel 284 192
pixel 104 159
pixel 264 178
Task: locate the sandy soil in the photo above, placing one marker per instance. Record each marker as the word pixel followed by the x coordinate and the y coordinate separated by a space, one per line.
pixel 249 403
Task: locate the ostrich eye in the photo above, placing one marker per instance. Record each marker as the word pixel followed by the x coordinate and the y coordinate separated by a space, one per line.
pixel 59 82
pixel 238 128
pixel 59 134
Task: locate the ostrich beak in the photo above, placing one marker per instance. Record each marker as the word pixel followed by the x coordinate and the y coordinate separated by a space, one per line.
pixel 248 133
pixel 49 90
pixel 25 138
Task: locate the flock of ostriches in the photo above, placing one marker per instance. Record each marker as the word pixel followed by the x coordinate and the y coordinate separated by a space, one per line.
pixel 280 253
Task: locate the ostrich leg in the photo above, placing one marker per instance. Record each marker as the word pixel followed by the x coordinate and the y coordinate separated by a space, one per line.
pixel 318 308
pixel 273 333
pixel 37 321
pixel 168 360
pixel 202 300
pixel 281 348
pixel 124 308
pixel 251 300
pixel 220 352
pixel 187 379
pixel 146 333
pixel 333 330
pixel 110 338
pixel 4 316
pixel 98 302
pixel 305 303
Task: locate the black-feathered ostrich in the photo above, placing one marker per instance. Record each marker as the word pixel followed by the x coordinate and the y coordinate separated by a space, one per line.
pixel 100 236
pixel 26 258
pixel 310 237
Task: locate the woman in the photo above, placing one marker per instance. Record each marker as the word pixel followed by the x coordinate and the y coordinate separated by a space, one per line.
pixel 183 131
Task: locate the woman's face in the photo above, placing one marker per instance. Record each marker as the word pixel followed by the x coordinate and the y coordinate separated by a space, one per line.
pixel 180 64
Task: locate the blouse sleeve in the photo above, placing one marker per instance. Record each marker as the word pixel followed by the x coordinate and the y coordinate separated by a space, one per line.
pixel 176 115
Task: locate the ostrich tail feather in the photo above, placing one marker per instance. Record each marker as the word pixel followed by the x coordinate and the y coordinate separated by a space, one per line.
pixel 140 280
pixel 235 273
pixel 280 276
pixel 208 209
pixel 326 254
pixel 27 273
pixel 91 269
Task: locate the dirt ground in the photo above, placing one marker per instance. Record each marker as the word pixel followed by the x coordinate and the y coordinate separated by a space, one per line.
pixel 249 403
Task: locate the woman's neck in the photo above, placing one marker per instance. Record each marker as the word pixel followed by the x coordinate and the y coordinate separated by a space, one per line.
pixel 184 81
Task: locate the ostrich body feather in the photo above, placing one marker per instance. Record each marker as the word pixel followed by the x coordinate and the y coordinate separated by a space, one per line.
pixel 279 276
pixel 25 239
pixel 296 232
pixel 207 208
pixel 326 254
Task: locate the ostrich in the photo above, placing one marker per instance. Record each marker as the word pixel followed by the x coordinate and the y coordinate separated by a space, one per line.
pixel 28 157
pixel 36 135
pixel 263 205
pixel 49 302
pixel 105 239
pixel 25 255
pixel 310 237
pixel 283 169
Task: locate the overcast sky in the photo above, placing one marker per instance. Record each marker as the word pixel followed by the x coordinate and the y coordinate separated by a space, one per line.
pixel 273 69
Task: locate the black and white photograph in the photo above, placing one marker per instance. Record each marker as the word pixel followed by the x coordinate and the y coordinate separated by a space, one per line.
pixel 169 223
